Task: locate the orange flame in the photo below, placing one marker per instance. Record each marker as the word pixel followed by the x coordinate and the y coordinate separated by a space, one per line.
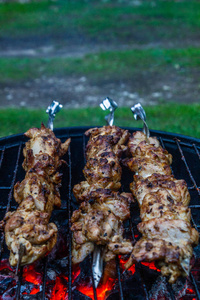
pixel 122 263
pixel 34 277
pixel 60 290
pixel 101 291
pixel 30 275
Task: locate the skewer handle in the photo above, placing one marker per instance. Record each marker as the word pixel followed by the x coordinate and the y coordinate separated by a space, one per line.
pixel 111 105
pixel 52 110
pixel 139 114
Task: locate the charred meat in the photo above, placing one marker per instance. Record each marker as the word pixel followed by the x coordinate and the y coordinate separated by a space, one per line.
pixel 37 195
pixel 167 235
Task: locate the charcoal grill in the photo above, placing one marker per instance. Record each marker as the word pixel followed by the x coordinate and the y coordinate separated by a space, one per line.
pixel 45 278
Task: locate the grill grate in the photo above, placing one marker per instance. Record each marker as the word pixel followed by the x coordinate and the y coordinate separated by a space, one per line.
pixel 186 164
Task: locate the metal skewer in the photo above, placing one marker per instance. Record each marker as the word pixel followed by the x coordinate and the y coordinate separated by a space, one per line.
pixel 97 264
pixel 109 104
pixel 52 109
pixel 97 261
pixel 139 114
pixel 20 255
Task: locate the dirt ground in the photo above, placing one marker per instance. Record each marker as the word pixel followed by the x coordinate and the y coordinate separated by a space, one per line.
pixel 80 92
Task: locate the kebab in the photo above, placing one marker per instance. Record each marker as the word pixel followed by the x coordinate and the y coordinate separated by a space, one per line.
pixel 97 225
pixel 167 235
pixel 28 233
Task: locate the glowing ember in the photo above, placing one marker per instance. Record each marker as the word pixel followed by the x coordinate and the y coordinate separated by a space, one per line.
pixel 60 289
pixel 5 265
pixel 102 289
pixel 190 291
pixel 76 272
pixel 35 290
pixel 30 275
pixel 122 263
pixel 33 277
pixel 150 265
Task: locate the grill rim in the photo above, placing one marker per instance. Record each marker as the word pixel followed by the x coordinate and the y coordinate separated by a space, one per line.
pixel 62 132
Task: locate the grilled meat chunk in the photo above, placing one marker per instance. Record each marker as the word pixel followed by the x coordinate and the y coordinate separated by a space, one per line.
pixel 102 169
pixel 159 204
pixel 147 155
pixel 43 151
pixel 99 220
pixel 30 227
pixel 167 235
pixel 177 189
pixel 101 223
pixel 37 195
pixel 44 192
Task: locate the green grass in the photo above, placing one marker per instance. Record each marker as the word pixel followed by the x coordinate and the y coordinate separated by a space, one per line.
pixel 101 20
pixel 180 119
pixel 114 65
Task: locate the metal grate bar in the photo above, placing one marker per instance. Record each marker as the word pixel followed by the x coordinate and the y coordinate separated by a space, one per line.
pixel 138 267
pixel 1 244
pixel 169 288
pixel 132 232
pixel 14 178
pixel 197 151
pixel 90 256
pixel 163 146
pixel 2 235
pixel 44 278
pixel 174 139
pixel 193 223
pixel 93 286
pixel 18 290
pixel 2 155
pixel 119 279
pixel 69 224
pixel 187 167
pixel 195 286
pixel 11 190
pixel 162 143
pixel 84 146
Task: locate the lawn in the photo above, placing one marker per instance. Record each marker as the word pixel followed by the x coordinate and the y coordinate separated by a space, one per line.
pixel 108 65
pixel 180 119
pixel 102 21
